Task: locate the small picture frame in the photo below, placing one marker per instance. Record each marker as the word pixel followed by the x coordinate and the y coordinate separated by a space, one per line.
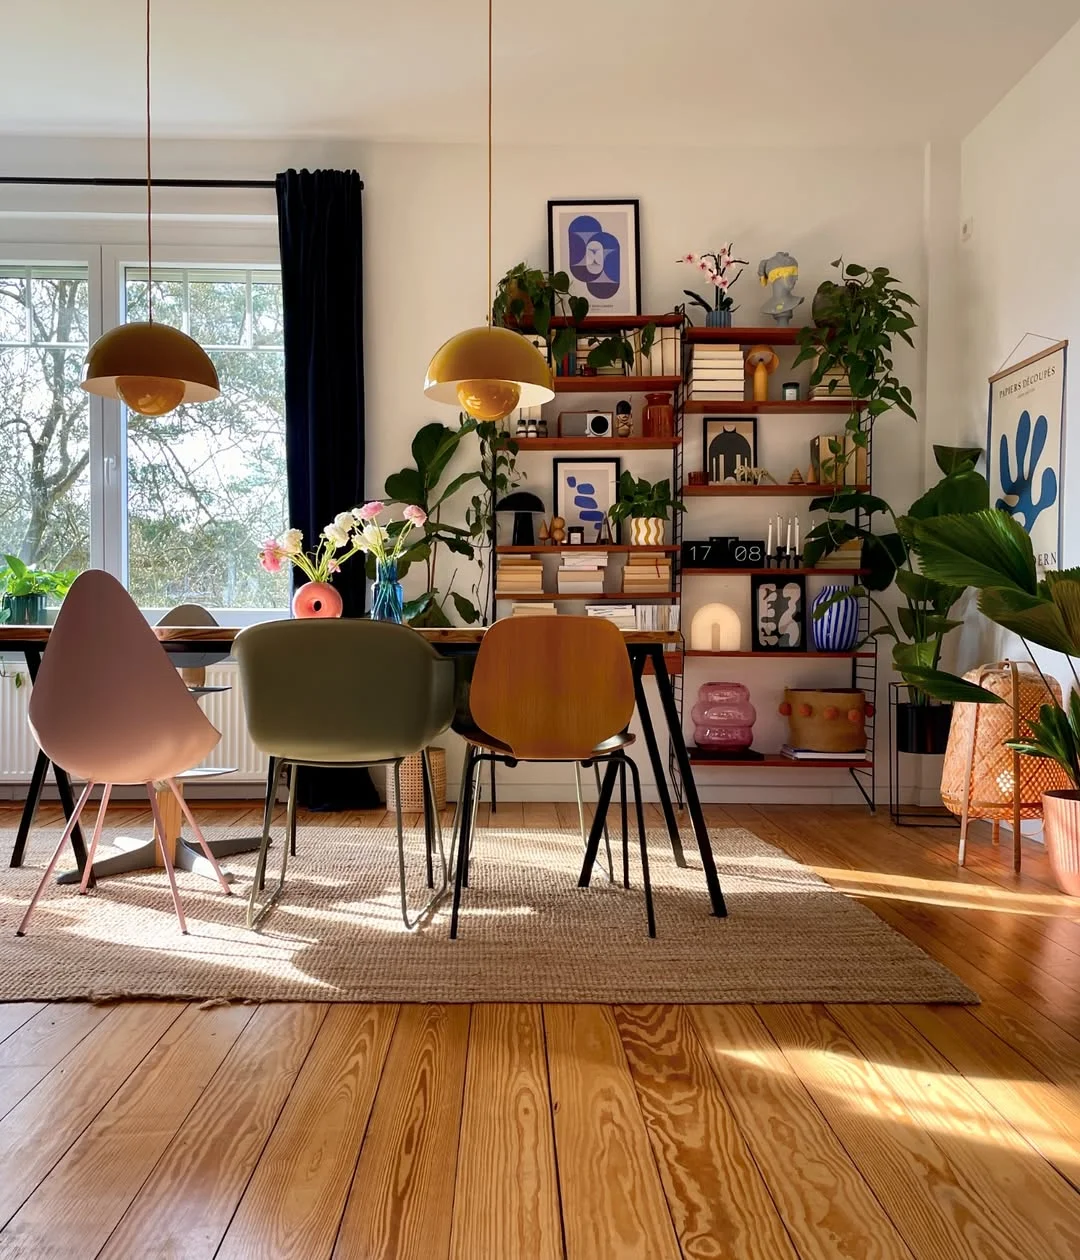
pixel 575 536
pixel 597 244
pixel 585 488
pixel 778 612
pixel 728 442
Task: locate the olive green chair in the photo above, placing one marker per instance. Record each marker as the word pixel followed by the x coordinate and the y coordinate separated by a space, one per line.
pixel 345 693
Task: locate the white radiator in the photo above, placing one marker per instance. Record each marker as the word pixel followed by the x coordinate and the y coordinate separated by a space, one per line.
pixel 224 708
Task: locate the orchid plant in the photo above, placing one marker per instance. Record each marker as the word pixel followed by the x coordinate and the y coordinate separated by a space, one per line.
pixel 715 267
pixel 348 534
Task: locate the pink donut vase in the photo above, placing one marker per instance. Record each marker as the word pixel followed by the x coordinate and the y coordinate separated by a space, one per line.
pixel 316 599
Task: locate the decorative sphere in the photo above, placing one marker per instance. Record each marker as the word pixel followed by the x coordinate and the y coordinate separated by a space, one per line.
pixel 869 710
pixel 805 710
pixel 150 395
pixel 854 715
pixel 489 400
pixel 831 711
pixel 784 710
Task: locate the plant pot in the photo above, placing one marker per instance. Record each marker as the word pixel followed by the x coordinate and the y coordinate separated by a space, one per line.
pixel 1061 829
pixel 316 599
pixel 514 293
pixel 25 610
pixel 718 319
pixel 922 729
pixel 647 531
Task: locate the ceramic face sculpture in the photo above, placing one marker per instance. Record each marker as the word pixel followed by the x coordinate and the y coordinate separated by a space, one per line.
pixel 781 273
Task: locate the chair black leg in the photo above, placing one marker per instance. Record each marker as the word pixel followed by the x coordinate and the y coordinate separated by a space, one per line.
pixel 463 834
pixel 625 828
pixel 33 800
pixel 599 819
pixel 272 775
pixel 644 847
pixel 429 818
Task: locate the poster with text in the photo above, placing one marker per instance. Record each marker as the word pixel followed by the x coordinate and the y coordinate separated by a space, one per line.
pixel 1024 448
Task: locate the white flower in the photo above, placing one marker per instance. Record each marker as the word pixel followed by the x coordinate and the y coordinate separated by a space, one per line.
pixel 291 542
pixel 373 537
pixel 338 536
pixel 345 521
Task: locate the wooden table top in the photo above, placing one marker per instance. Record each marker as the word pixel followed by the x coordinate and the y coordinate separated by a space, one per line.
pixel 14 638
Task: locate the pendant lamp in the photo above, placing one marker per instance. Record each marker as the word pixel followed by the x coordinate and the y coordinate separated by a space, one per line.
pixel 489 371
pixel 150 367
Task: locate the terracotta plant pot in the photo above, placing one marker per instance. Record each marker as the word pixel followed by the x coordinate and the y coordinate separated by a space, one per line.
pixel 1061 828
pixel 316 599
pixel 647 531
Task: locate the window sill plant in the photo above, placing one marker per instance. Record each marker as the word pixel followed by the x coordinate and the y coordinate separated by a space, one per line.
pixel 648 506
pixel 26 589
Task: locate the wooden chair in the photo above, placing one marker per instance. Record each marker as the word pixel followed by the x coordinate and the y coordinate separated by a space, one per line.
pixel 550 689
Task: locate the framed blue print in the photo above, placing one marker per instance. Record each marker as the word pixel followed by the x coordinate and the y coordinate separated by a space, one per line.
pixel 1025 447
pixel 584 490
pixel 596 243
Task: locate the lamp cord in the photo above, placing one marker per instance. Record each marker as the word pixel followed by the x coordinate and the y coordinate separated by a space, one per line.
pixel 487 299
pixel 149 187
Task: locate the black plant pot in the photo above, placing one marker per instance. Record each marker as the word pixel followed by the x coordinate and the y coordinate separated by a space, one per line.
pixel 922 728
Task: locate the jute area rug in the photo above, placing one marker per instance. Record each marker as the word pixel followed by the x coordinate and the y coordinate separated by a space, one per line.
pixel 528 933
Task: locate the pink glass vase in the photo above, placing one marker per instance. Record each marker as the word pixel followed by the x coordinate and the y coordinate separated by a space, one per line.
pixel 724 717
pixel 316 599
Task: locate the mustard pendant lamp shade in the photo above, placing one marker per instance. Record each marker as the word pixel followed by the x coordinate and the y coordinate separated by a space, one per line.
pixel 151 367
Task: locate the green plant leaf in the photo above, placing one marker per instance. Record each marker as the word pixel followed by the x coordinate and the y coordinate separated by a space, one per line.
pixel 949 687
pixel 954 459
pixel 1033 617
pixel 406 486
pixel 466 609
pixel 882 554
pixel 1065 593
pixel 849 501
pixel 980 549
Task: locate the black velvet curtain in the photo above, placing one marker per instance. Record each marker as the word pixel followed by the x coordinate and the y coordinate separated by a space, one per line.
pixel 320 229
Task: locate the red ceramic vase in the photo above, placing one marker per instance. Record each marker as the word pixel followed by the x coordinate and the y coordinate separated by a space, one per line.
pixel 316 599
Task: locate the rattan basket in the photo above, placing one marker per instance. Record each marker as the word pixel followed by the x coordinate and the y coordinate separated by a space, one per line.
pixel 412 781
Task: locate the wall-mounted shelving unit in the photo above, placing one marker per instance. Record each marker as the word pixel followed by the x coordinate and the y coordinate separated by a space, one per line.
pixel 732 489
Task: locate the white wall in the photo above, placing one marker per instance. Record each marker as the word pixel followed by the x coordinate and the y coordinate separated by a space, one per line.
pixel 425 277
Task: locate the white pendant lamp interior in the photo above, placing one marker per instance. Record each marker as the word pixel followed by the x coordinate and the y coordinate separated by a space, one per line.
pixel 489 371
pixel 151 367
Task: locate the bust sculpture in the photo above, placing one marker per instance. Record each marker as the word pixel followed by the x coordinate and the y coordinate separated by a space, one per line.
pixel 781 272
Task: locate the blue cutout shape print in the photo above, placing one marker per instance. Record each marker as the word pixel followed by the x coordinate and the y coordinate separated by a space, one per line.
pixel 595 256
pixel 1018 486
pixel 588 508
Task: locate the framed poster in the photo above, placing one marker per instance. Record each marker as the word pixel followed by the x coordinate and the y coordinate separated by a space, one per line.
pixel 778 613
pixel 583 491
pixel 596 243
pixel 728 443
pixel 1025 447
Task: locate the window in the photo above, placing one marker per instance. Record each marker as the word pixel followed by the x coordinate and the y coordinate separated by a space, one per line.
pixel 44 415
pixel 175 506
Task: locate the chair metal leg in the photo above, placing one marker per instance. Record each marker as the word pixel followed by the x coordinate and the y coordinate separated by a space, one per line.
pixel 414 923
pixel 272 777
pixel 580 804
pixel 163 845
pixel 607 786
pixel 464 836
pixel 88 869
pixel 199 836
pixel 477 793
pixel 625 828
pixel 33 799
pixel 257 913
pixel 649 912
pixel 72 823
pixel 607 837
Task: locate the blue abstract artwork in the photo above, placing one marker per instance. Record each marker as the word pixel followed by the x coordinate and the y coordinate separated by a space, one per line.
pixel 585 490
pixel 596 244
pixel 1018 470
pixel 594 256
pixel 584 500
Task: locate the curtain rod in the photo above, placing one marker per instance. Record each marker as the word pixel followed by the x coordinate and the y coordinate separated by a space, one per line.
pixel 113 182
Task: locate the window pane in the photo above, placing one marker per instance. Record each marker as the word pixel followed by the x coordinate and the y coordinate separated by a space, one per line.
pixel 44 415
pixel 206 484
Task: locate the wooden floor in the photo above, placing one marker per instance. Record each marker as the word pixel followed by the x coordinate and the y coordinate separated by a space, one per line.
pixel 496 1132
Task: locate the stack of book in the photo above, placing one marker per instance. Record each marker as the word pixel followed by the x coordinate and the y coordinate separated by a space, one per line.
pixel 647 574
pixel 657 616
pixel 810 754
pixel 540 609
pixel 847 555
pixel 717 374
pixel 582 572
pixel 834 384
pixel 519 575
pixel 621 614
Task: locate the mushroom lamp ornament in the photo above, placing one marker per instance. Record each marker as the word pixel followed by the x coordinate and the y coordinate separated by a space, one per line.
pixel 761 363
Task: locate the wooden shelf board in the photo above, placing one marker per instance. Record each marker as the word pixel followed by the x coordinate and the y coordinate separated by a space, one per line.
pixel 610 323
pixel 766 335
pixel 611 384
pixel 738 489
pixel 798 656
pixel 597 444
pixel 805 406
pixel 688 572
pixel 621 598
pixel 773 761
pixel 550 549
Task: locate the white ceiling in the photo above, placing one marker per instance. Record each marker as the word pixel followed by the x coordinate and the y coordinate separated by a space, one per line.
pixel 624 71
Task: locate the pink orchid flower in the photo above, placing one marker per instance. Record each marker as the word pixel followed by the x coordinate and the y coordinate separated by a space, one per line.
pixel 415 515
pixel 370 510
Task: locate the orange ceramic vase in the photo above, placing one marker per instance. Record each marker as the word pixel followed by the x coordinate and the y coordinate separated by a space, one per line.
pixel 316 599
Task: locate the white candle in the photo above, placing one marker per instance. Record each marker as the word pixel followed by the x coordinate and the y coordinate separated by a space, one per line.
pixel 796 535
pixel 768 547
pixel 789 534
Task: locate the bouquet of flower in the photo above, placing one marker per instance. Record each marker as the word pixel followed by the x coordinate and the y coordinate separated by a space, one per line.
pixel 715 267
pixel 347 534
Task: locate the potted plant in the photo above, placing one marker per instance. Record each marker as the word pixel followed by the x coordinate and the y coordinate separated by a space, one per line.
pixel 26 588
pixel 648 505
pixel 991 551
pixel 855 322
pixel 715 266
pixel 919 625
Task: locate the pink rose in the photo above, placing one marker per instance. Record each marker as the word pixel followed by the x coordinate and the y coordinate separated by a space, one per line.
pixel 370 510
pixel 415 515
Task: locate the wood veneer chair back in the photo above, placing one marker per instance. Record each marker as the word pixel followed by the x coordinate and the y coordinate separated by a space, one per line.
pixel 552 688
pixel 108 705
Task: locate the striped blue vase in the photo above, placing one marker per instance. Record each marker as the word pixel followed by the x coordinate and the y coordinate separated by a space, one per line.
pixel 837 629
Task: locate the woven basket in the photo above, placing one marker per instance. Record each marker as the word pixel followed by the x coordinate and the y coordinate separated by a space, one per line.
pixel 412 781
pixel 977 740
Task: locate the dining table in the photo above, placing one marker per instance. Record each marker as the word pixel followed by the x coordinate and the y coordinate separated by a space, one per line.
pixel 647 649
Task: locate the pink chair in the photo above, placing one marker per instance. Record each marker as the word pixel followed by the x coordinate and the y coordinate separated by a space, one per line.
pixel 110 708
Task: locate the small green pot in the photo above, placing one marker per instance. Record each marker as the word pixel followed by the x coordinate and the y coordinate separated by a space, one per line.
pixel 26 610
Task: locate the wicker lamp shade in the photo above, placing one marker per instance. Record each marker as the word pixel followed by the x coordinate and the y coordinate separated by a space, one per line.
pixel 981 778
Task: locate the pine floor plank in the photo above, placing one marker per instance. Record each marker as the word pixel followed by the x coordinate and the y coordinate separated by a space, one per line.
pixel 293 1203
pixel 35 1048
pixel 614 1206
pixel 35 1134
pixel 14 1014
pixel 76 1207
pixel 714 1190
pixel 540 814
pixel 185 1205
pixel 402 1198
pixel 824 1202
pixel 506 1199
pixel 1032 1205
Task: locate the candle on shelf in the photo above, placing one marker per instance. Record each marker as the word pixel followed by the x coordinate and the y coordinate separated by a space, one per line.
pixel 788 548
pixel 768 545
pixel 796 535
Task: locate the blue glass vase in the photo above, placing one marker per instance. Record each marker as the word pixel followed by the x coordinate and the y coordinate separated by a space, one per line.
pixel 387 600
